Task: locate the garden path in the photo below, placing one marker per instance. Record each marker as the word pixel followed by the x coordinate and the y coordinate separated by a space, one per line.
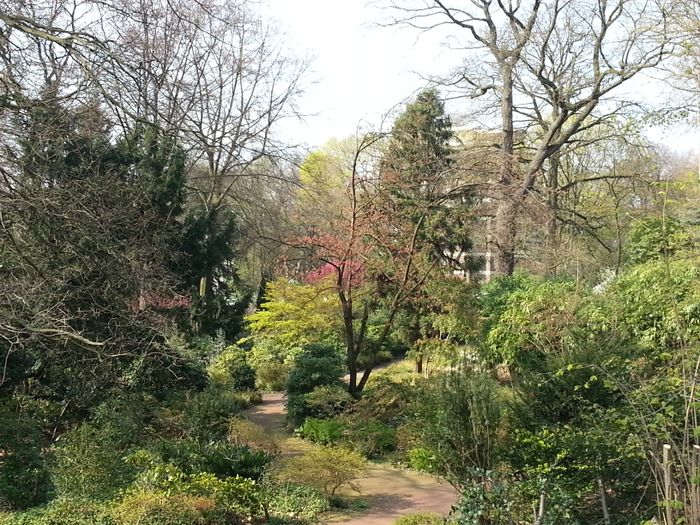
pixel 390 492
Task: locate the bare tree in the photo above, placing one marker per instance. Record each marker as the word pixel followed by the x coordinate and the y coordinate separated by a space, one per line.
pixel 551 67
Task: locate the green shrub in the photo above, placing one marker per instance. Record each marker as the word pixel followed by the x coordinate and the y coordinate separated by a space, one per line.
pixel 386 400
pixel 461 415
pixel 655 237
pixel 317 365
pixel 126 419
pixel 422 459
pixel 235 496
pixel 242 432
pixel 423 518
pixel 295 409
pixel 324 468
pixel 272 377
pixel 325 432
pixel 62 512
pixel 24 479
pixel 371 438
pixel 296 502
pixel 89 463
pixel 325 402
pixel 658 303
pixel 219 458
pixel 272 363
pixel 148 507
pixel 248 398
pixel 206 414
pixel 231 369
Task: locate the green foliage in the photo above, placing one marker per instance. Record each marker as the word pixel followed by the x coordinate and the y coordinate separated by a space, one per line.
pixel 494 296
pixel 415 169
pixel 107 265
pixel 461 417
pixel 149 507
pixel 206 414
pixel 232 496
pixel 487 497
pixel 89 463
pixel 656 238
pixel 293 315
pixel 272 363
pixel 658 303
pixel 289 500
pixel 242 432
pixel 231 369
pixel 161 163
pixel 324 468
pixel 218 458
pixel 536 320
pixel 325 432
pixel 385 399
pixel 424 518
pixel 371 438
pixel 24 479
pixel 63 512
pixel 422 459
pixel 325 402
pixel 316 366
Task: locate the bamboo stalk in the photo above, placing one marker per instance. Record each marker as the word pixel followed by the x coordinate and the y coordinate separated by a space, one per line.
pixel 695 485
pixel 668 496
pixel 603 501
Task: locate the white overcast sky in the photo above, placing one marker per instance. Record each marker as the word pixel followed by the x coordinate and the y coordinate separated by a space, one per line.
pixel 360 71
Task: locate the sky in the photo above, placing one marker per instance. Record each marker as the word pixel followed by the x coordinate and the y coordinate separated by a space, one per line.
pixel 360 71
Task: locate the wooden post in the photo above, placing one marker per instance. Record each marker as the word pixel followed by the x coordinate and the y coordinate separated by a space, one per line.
pixel 539 519
pixel 603 501
pixel 668 491
pixel 695 485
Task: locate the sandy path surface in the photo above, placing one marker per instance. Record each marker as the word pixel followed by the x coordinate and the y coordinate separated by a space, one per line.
pixel 389 492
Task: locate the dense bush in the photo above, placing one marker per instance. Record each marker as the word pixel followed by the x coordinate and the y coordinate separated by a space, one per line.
pixel 487 498
pixel 322 403
pixel 422 459
pixel 24 479
pixel 323 431
pixel 272 363
pixel 387 400
pixel 63 512
pixel 658 303
pixel 206 414
pixel 325 402
pixel 317 365
pixel 461 416
pixel 219 458
pixel 89 463
pixel 234 496
pixel 150 507
pixel 654 238
pixel 289 500
pixel 231 369
pixel 242 432
pixel 371 438
pixel 324 468
pixel 426 518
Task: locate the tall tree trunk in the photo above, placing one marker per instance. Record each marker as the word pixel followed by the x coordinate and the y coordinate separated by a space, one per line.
pixel 351 351
pixel 553 242
pixel 508 204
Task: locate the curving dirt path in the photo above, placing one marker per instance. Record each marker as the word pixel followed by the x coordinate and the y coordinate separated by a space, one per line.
pixel 389 492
